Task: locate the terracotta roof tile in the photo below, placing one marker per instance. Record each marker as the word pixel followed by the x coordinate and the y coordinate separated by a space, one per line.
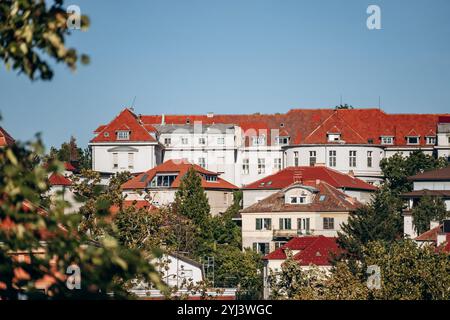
pixel 5 138
pixel 57 179
pixel 313 250
pixel 287 176
pixel 327 199
pixel 432 175
pixel 180 167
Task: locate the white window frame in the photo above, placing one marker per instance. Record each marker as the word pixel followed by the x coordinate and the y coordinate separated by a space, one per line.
pixel 387 140
pixel 412 143
pixel 131 160
pixel 430 140
pixel 261 165
pixel 123 135
pixel 369 159
pixel 332 158
pixel 245 166
pixel 202 162
pixel 277 163
pixel 352 159
pixel 220 140
pixel 312 158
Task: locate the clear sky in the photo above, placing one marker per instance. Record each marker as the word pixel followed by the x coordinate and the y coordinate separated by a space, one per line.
pixel 237 56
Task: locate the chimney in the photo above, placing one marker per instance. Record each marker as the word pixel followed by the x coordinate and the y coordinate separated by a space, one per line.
pixel 351 173
pixel 163 119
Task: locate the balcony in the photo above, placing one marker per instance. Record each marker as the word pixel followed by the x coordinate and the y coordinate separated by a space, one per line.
pixel 287 234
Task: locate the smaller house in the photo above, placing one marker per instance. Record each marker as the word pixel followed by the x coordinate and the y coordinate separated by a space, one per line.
pixel 435 183
pixel 269 185
pixel 61 188
pixel 438 236
pixel 308 208
pixel 5 138
pixel 160 184
pixel 307 251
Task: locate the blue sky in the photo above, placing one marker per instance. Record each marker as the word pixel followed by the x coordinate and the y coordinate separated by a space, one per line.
pixel 237 56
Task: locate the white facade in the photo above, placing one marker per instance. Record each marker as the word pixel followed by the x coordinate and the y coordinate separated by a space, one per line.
pixel 125 156
pixel 178 271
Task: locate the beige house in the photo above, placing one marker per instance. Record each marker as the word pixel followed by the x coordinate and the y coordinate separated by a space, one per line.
pixel 160 184
pixel 308 208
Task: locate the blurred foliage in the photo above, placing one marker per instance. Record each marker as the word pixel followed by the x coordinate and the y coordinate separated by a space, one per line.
pixel 70 152
pixel 34 32
pixel 428 209
pixel 27 228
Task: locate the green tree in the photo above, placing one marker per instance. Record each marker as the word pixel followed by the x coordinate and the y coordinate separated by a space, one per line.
pixel 409 272
pixel 225 230
pixel 428 209
pixel 24 226
pixel 191 202
pixel 32 33
pixel 381 219
pixel 397 169
pixel 240 269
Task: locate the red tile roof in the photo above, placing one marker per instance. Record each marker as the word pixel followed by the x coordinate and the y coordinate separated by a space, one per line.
pixel 287 176
pixel 68 166
pixel 310 126
pixel 430 235
pixel 180 167
pixel 5 138
pixel 127 121
pixel 57 179
pixel 137 204
pixel 313 250
pixel 326 199
pixel 432 175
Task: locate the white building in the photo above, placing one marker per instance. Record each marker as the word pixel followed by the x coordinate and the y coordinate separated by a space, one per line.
pixel 435 183
pixel 245 148
pixel 307 208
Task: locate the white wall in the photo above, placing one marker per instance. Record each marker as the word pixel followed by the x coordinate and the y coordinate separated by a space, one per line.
pixel 361 170
pixel 144 156
pixel 175 270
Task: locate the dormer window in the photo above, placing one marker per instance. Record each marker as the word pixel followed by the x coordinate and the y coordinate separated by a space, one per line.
pixel 163 180
pixel 123 135
pixel 210 178
pixel 282 140
pixel 334 137
pixel 259 140
pixel 297 200
pixel 413 140
pixel 430 140
pixel 387 140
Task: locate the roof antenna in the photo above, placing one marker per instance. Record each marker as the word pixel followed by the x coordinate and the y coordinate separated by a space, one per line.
pixel 132 104
pixel 341 101
pixel 379 102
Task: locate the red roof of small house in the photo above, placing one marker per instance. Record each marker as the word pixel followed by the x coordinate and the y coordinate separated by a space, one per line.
pixel 287 176
pixel 312 250
pixel 125 121
pixel 430 235
pixel 68 166
pixel 306 126
pixel 180 167
pixel 5 138
pixel 137 204
pixel 432 175
pixel 57 179
pixel 326 199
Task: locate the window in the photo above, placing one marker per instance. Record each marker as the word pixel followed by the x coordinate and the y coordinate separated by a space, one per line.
pixel 261 247
pixel 303 225
pixel 297 200
pixel 369 159
pixel 245 166
pixel 184 141
pixel 259 140
pixel 163 180
pixel 210 178
pixel 387 140
pixel 430 140
pixel 201 140
pixel 352 158
pixel 115 161
pixel 167 141
pixel 312 158
pixel 123 135
pixel 279 244
pixel 412 140
pixel 333 137
pixel 131 160
pixel 202 162
pixel 332 158
pixel 221 140
pixel 328 223
pixel 282 140
pixel 296 159
pixel 285 223
pixel 277 163
pixel 261 166
pixel 263 224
